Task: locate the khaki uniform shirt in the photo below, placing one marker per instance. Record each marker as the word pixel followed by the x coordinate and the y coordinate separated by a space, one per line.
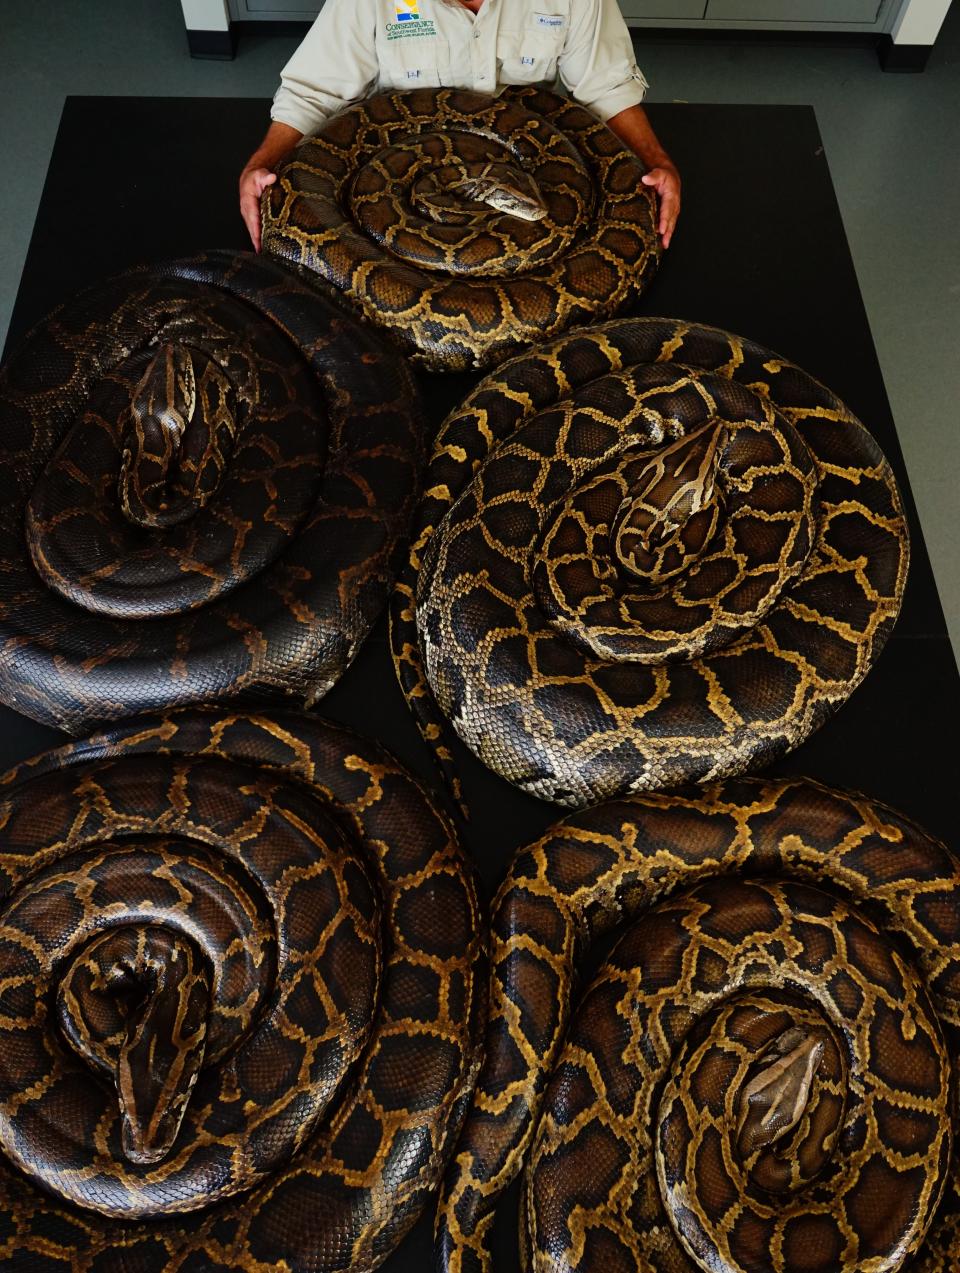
pixel 358 47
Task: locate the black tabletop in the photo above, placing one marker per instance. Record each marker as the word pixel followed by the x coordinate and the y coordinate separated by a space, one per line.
pixel 760 251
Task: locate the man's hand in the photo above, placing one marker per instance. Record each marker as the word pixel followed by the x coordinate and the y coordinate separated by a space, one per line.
pixel 666 181
pixel 259 173
pixel 634 130
pixel 253 182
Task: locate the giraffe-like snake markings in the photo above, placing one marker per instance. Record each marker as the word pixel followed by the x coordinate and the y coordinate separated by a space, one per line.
pixel 760 1078
pixel 647 553
pixel 207 471
pixel 242 983
pixel 465 226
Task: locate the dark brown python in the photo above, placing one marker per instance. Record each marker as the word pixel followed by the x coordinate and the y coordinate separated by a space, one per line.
pixel 648 553
pixel 761 1077
pixel 206 471
pixel 466 226
pixel 242 985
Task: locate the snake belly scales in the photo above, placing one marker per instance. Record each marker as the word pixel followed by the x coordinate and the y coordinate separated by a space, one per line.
pixel 241 990
pixel 648 553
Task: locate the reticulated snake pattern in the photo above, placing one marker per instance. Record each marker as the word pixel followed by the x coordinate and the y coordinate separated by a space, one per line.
pixel 760 1078
pixel 242 977
pixel 192 904
pixel 465 226
pixel 183 449
pixel 648 553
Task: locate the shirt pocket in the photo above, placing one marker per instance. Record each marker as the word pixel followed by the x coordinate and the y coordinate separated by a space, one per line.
pixel 530 55
pixel 413 62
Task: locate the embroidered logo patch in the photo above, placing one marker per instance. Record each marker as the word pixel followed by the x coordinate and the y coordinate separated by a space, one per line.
pixel 549 19
pixel 409 22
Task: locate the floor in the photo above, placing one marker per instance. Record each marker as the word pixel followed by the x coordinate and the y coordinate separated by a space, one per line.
pixel 891 141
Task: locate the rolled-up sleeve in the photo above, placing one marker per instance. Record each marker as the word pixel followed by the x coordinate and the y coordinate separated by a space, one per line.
pixel 335 65
pixel 597 65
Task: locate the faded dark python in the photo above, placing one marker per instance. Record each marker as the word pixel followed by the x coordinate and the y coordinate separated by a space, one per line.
pixel 761 1076
pixel 207 469
pixel 648 553
pixel 466 226
pixel 243 985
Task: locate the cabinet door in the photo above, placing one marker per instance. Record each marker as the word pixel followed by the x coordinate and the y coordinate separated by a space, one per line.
pixel 822 12
pixel 284 10
pixel 663 8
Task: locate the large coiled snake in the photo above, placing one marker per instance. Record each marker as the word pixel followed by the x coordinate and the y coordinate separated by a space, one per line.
pixel 761 1077
pixel 242 988
pixel 466 226
pixel 207 468
pixel 648 553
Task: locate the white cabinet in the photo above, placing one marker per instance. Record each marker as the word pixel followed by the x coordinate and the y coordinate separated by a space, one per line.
pixel 795 14
pixel 694 10
pixel 275 10
pixel 907 28
pixel 875 16
pixel 821 13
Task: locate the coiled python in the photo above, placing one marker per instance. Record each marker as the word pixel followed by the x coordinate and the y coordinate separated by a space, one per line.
pixel 466 226
pixel 206 471
pixel 242 993
pixel 648 553
pixel 760 1078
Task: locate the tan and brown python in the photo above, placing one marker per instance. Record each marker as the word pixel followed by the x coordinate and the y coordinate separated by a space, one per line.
pixel 761 1077
pixel 207 469
pixel 242 981
pixel 647 553
pixel 466 226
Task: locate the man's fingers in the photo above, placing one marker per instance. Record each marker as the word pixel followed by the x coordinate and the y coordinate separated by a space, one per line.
pixel 666 184
pixel 669 211
pixel 668 224
pixel 250 211
pixel 252 186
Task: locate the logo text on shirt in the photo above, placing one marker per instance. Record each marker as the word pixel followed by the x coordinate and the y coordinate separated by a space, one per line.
pixel 549 19
pixel 404 30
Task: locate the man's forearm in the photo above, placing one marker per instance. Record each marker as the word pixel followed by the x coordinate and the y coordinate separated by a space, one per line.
pixel 635 130
pixel 279 141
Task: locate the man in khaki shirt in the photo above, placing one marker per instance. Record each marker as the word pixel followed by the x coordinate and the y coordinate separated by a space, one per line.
pixel 358 47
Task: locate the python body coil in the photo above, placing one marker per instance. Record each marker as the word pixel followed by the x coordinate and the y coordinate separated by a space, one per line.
pixel 465 226
pixel 648 553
